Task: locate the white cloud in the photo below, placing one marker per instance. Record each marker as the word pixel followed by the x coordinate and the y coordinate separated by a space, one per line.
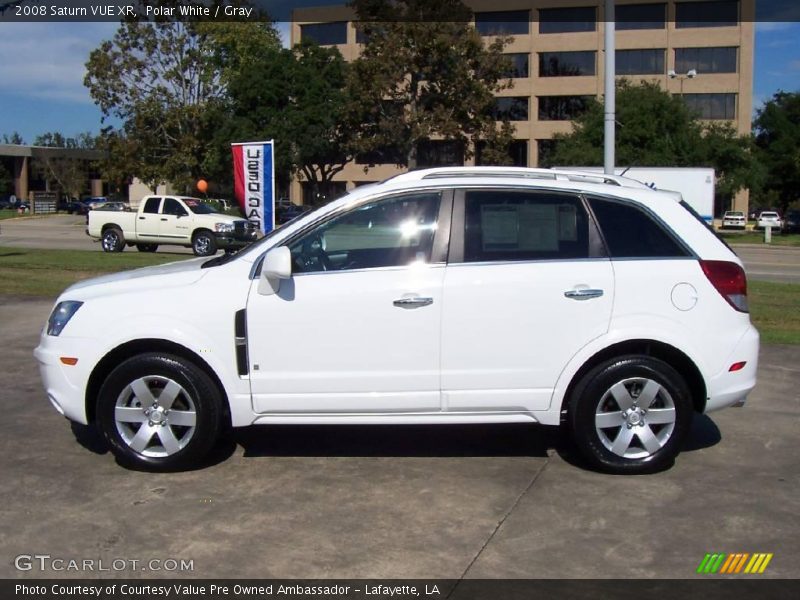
pixel 46 60
pixel 770 26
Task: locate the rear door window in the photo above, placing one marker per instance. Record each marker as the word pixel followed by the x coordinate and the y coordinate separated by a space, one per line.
pixel 631 232
pixel 509 225
pixel 151 206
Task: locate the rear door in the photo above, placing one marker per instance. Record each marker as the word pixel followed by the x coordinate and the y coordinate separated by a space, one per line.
pixel 148 221
pixel 527 286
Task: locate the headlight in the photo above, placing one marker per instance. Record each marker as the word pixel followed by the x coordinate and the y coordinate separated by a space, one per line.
pixel 61 315
pixel 223 227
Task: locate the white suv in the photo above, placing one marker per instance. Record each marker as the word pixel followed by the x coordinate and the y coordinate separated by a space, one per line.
pixel 461 295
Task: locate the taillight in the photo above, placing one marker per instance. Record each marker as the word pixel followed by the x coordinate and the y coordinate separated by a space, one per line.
pixel 729 280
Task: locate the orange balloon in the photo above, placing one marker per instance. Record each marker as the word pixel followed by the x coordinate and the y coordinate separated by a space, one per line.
pixel 202 186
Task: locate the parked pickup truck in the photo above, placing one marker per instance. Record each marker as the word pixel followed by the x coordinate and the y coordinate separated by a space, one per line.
pixel 174 220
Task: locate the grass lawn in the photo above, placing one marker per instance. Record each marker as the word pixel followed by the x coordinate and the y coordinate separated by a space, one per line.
pixel 29 272
pixel 775 311
pixel 775 307
pixel 752 237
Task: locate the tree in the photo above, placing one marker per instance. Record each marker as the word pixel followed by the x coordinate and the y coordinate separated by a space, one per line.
pixel 70 174
pixel 655 128
pixel 166 82
pixel 777 126
pixel 14 138
pixel 298 97
pixel 425 74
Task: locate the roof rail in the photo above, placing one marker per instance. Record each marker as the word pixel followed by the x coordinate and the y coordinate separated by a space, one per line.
pixel 521 172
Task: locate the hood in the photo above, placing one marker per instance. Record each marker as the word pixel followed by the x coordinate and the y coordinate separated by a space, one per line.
pixel 160 276
pixel 221 218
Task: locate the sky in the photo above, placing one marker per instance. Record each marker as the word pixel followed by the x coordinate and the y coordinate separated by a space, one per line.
pixel 42 70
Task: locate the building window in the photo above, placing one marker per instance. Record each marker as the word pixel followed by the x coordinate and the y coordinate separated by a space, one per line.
pixel 705 60
pixel 440 153
pixel 506 22
pixel 513 108
pixel 322 193
pixel 566 64
pixel 719 13
pixel 545 150
pixel 640 62
pixel 517 151
pixel 641 16
pixel 562 108
pixel 567 20
pixel 712 106
pixel 387 155
pixel 325 34
pixel 519 65
pixel 362 37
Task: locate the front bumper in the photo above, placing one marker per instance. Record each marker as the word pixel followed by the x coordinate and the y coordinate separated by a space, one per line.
pixel 236 239
pixel 731 389
pixel 64 385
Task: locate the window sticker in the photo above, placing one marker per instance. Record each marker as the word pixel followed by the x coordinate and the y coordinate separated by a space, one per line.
pixel 538 226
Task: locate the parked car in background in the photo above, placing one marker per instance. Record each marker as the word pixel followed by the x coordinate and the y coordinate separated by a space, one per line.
pixel 170 220
pixel 285 213
pixel 792 222
pixel 734 219
pixel 771 219
pixel 113 205
pixel 5 202
pixel 77 207
pixel 441 296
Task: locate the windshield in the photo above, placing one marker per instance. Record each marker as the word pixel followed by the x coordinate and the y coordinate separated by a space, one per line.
pixel 734 214
pixel 198 207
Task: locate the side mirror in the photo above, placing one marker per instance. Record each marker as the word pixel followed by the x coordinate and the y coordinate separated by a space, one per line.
pixel 277 265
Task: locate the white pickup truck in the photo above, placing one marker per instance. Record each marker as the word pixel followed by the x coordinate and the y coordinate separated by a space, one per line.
pixel 173 220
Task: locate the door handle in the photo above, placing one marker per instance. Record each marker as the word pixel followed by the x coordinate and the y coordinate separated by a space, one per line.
pixel 583 294
pixel 141 218
pixel 412 302
pixel 164 219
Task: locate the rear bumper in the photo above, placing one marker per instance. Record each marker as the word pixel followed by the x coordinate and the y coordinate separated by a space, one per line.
pixel 731 388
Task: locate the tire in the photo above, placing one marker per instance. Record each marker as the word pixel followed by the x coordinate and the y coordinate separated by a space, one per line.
pixel 181 430
pixel 629 437
pixel 147 247
pixel 112 240
pixel 204 243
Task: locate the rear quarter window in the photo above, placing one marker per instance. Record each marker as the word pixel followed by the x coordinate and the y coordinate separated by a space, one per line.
pixel 631 232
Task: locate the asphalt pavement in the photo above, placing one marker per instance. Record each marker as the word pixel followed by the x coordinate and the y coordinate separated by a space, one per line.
pixel 397 502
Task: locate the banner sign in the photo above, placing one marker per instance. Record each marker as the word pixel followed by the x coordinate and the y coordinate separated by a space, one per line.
pixel 254 182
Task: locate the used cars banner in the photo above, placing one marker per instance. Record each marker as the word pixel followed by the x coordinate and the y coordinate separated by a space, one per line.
pixel 254 182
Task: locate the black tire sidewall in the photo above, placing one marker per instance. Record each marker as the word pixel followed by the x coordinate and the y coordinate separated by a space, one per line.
pixel 204 393
pixel 212 244
pixel 120 240
pixel 593 386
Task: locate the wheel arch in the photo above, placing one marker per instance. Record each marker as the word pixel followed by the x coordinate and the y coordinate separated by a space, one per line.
pixel 107 226
pixel 129 349
pixel 645 347
pixel 200 230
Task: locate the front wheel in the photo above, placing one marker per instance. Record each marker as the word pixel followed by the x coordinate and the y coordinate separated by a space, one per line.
pixel 112 240
pixel 204 244
pixel 159 412
pixel 629 415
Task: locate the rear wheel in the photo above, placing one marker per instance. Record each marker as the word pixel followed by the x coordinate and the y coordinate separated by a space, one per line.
pixel 629 415
pixel 204 244
pixel 159 412
pixel 113 240
pixel 147 247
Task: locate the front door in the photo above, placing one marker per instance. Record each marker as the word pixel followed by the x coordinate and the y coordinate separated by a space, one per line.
pixel 356 328
pixel 175 222
pixel 527 287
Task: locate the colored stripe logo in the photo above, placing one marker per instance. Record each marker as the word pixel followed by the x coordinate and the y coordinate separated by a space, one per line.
pixel 731 564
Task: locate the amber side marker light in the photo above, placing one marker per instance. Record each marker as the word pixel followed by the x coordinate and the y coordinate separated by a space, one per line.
pixel 737 366
pixel 71 361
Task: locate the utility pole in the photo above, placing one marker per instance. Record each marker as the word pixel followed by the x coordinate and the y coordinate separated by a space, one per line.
pixel 610 90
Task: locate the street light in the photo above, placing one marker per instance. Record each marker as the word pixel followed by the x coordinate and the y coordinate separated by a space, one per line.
pixel 690 74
